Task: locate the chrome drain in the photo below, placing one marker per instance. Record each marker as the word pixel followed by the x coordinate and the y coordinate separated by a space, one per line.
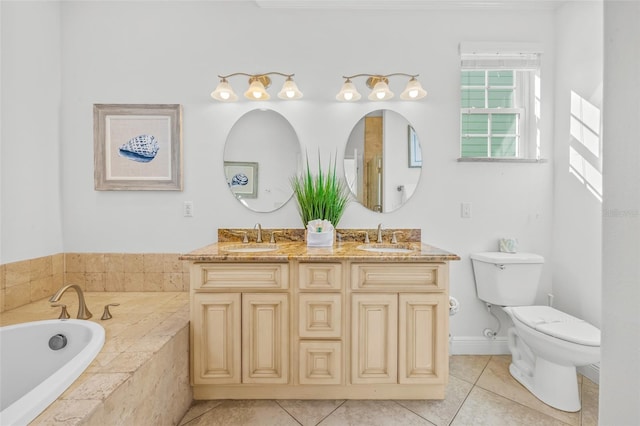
pixel 57 342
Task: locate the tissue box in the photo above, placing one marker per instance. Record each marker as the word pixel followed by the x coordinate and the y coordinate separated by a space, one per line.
pixel 508 245
pixel 320 239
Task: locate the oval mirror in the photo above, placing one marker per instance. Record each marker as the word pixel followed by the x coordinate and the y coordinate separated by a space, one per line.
pixel 261 154
pixel 383 161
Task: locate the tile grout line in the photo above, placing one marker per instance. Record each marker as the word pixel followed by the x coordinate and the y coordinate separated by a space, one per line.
pixel 333 411
pixel 286 411
pixel 473 386
pixel 507 398
pixel 410 410
pixel 520 403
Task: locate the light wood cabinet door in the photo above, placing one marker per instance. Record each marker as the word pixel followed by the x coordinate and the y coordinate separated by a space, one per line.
pixel 320 276
pixel 399 277
pixel 239 276
pixel 422 333
pixel 320 362
pixel 374 338
pixel 216 338
pixel 320 315
pixel 265 338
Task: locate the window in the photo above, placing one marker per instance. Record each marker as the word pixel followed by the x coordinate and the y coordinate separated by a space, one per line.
pixel 497 95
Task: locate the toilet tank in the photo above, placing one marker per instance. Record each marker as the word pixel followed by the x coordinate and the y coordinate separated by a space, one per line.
pixel 507 279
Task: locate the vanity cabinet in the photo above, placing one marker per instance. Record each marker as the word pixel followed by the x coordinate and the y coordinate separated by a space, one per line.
pixel 399 319
pixel 329 327
pixel 238 334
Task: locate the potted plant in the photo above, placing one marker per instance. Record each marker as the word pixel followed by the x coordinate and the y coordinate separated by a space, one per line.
pixel 320 196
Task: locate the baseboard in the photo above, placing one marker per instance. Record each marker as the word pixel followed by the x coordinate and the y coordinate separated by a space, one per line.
pixel 591 372
pixel 471 345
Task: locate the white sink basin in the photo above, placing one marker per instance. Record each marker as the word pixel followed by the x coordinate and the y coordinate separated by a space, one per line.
pixel 252 248
pixel 385 248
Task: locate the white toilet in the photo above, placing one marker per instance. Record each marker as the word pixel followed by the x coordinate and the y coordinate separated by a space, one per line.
pixel 546 345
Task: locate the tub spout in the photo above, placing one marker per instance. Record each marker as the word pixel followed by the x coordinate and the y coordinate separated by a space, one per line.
pixel 83 311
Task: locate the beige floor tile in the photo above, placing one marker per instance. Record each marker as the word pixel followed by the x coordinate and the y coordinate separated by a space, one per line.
pixel 496 378
pixel 486 408
pixel 372 413
pixel 590 394
pixel 468 367
pixel 442 412
pixel 245 413
pixel 197 409
pixel 310 412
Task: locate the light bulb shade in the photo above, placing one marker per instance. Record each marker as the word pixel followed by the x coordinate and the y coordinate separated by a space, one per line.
pixel 256 91
pixel 348 93
pixel 413 91
pixel 224 92
pixel 380 92
pixel 289 90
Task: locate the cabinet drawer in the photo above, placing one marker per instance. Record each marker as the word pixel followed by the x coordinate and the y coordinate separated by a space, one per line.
pixel 399 276
pixel 320 315
pixel 320 276
pixel 320 363
pixel 240 275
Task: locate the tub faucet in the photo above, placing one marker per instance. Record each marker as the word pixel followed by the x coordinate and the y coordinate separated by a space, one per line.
pixel 259 237
pixel 83 311
pixel 379 240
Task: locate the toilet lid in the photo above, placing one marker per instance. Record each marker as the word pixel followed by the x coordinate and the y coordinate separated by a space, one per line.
pixel 557 324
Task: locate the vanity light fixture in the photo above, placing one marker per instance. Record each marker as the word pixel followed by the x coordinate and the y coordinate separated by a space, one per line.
pixel 257 91
pixel 379 85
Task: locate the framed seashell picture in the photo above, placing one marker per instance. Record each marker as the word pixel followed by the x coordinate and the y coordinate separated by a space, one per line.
pixel 242 178
pixel 137 147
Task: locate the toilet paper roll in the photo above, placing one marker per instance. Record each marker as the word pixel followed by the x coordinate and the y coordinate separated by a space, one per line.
pixel 454 305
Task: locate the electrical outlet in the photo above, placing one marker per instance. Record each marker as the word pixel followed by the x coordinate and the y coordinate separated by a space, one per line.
pixel 188 209
pixel 465 210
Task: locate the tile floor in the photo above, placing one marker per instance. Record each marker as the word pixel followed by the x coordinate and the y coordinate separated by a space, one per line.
pixel 480 392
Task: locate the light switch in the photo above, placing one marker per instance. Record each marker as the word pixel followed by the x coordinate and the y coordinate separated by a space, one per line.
pixel 188 209
pixel 465 210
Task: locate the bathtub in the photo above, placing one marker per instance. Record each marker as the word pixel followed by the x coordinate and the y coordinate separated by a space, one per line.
pixel 39 360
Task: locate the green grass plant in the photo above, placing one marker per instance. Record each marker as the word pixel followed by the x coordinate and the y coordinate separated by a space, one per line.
pixel 322 195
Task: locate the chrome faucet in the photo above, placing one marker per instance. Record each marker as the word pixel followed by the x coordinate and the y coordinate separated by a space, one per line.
pixel 379 240
pixel 83 311
pixel 259 237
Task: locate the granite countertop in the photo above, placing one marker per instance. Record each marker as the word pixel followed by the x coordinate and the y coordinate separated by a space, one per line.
pixel 297 250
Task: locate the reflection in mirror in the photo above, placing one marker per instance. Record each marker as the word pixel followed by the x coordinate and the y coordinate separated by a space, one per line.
pixel 261 154
pixel 383 161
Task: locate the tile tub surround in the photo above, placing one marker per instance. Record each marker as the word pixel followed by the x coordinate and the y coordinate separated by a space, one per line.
pixel 141 375
pixel 26 281
pixel 29 280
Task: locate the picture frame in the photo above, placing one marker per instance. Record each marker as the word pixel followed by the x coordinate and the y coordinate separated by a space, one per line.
pixel 242 178
pixel 137 147
pixel 415 151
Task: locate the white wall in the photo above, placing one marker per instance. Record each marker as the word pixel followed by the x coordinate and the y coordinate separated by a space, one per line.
pixel 577 202
pixel 620 366
pixel 170 52
pixel 30 139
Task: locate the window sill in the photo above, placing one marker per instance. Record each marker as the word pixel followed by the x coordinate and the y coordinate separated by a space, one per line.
pixel 501 160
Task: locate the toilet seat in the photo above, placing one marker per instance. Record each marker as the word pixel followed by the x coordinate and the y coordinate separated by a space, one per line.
pixel 554 323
